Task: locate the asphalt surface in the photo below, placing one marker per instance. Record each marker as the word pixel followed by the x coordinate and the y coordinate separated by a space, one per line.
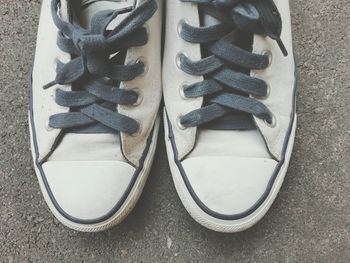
pixel 309 222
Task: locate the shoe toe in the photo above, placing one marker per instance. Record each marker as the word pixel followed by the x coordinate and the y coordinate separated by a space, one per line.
pixel 228 186
pixel 88 191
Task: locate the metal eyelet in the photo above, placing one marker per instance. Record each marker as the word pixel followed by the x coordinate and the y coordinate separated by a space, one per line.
pixel 268 92
pixel 273 122
pixel 182 90
pixel 139 97
pixel 178 59
pixel 268 53
pixel 144 62
pixel 179 124
pixel 48 127
pixel 138 132
pixel 180 26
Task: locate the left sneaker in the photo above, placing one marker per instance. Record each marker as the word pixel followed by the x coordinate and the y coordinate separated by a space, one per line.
pixel 95 95
pixel 230 120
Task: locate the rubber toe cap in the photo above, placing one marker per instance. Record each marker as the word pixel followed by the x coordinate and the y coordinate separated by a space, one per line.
pixel 87 190
pixel 229 185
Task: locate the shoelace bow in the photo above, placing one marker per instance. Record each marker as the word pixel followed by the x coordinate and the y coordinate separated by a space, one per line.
pixel 97 68
pixel 227 83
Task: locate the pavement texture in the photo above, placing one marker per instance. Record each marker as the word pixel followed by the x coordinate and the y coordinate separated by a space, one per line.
pixel 309 222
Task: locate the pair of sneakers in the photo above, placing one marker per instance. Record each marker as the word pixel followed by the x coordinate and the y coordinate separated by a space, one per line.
pixel 228 84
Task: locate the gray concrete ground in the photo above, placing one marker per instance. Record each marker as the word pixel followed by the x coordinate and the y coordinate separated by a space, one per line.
pixel 309 222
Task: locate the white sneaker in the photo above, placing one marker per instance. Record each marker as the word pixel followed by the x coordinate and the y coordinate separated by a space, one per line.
pixel 93 140
pixel 229 90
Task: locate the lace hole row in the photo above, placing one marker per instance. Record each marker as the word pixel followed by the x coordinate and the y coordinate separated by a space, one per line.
pixel 179 65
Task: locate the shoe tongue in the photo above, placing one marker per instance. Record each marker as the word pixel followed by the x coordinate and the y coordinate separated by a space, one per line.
pixel 89 8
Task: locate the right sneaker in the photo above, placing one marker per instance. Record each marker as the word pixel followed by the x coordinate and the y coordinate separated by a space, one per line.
pixel 229 92
pixel 94 98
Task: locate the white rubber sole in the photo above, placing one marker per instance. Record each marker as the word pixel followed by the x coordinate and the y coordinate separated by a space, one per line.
pixel 127 206
pixel 210 222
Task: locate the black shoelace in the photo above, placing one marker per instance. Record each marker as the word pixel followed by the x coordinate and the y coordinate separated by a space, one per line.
pixel 97 68
pixel 227 86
